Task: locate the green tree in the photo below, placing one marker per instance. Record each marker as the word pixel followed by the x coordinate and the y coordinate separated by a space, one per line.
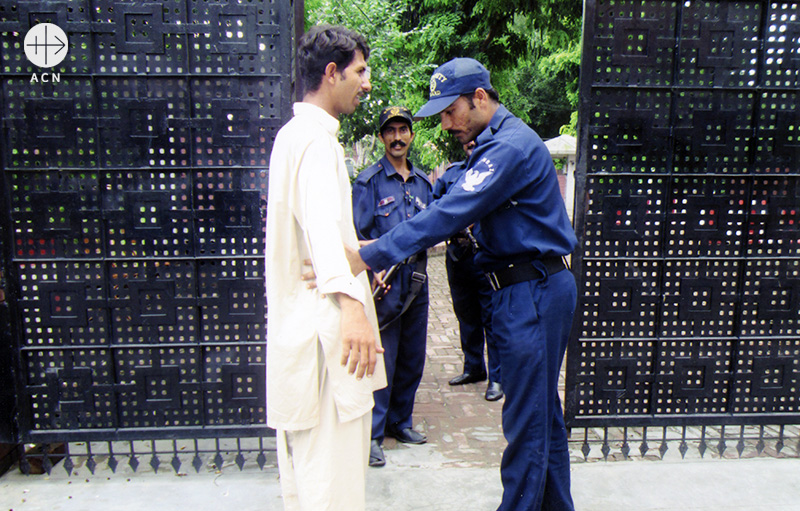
pixel 531 47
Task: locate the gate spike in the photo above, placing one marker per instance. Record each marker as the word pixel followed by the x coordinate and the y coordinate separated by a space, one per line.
pixel 740 446
pixel 176 463
pixel 68 465
pixel 25 465
pixel 683 448
pixel 605 450
pixel 197 463
pixel 155 462
pixel 643 448
pixel 721 446
pixel 47 465
pixel 91 464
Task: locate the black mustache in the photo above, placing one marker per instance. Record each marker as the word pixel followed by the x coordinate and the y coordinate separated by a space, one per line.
pixel 397 143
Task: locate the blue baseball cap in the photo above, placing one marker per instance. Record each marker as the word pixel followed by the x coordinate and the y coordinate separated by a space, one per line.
pixel 451 80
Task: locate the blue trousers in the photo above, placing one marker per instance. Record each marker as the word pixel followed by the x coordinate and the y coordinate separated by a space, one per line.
pixel 472 304
pixel 531 322
pixel 404 343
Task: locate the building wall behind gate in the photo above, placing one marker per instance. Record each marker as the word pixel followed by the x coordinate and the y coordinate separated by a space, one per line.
pixel 135 195
pixel 688 215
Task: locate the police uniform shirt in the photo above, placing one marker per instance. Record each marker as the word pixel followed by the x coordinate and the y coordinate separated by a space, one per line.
pixel 510 189
pixel 382 200
pixel 446 180
pixel 458 247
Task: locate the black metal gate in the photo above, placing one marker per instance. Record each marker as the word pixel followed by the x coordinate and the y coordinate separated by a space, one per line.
pixel 133 199
pixel 688 216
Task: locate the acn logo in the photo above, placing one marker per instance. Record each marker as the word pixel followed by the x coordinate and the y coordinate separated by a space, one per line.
pixel 46 45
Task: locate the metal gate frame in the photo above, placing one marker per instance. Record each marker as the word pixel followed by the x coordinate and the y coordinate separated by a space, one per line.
pixel 688 218
pixel 133 204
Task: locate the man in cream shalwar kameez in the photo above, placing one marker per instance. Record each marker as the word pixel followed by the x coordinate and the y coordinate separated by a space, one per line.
pixel 318 342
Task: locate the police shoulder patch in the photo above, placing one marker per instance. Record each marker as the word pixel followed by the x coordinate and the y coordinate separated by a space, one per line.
pixel 475 176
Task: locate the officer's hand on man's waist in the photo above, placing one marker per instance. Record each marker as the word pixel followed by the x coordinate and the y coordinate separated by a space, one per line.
pixel 309 276
pixel 357 265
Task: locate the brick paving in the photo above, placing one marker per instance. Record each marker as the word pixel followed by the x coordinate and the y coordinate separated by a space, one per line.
pixel 462 426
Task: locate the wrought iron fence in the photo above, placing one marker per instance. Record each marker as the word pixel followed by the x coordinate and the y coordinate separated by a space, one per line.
pixel 178 456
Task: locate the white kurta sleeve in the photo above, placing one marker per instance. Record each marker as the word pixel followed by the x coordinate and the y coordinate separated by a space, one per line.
pixel 320 215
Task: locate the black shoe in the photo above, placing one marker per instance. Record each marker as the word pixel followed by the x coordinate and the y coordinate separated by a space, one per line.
pixel 466 377
pixel 407 436
pixel 494 391
pixel 376 457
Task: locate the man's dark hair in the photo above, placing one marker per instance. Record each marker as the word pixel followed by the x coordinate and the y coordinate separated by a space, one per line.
pixel 323 44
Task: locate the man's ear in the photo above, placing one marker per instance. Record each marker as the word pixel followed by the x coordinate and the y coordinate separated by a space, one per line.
pixel 330 71
pixel 481 95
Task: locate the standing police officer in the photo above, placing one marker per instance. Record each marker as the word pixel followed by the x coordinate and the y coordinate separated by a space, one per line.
pixel 472 298
pixel 384 195
pixel 511 193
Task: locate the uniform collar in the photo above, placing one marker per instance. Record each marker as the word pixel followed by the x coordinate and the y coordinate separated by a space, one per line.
pixel 388 168
pixel 330 123
pixel 495 123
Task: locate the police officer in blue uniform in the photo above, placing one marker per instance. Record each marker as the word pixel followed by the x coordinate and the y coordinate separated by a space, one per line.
pixel 387 194
pixel 510 192
pixel 472 298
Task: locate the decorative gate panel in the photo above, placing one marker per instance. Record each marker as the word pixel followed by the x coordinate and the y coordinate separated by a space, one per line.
pixel 688 216
pixel 135 181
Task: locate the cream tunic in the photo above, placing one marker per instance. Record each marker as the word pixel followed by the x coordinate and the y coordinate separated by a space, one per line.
pixel 309 216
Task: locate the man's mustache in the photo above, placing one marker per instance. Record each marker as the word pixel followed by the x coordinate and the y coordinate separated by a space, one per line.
pixel 397 144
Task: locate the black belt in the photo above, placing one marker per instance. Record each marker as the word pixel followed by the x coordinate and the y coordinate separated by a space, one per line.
pixel 515 273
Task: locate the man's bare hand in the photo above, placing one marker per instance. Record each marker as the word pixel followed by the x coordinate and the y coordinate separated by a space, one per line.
pixel 379 285
pixel 357 265
pixel 309 276
pixel 359 347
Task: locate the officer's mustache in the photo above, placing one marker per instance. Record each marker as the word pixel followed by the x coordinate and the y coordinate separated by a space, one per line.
pixel 398 144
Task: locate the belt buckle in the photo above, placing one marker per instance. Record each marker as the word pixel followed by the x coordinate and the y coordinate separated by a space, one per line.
pixel 418 277
pixel 492 278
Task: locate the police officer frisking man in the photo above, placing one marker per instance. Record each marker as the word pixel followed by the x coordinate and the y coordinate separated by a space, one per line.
pixel 387 194
pixel 510 192
pixel 472 298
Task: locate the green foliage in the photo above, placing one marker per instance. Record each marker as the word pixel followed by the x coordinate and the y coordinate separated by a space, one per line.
pixel 532 48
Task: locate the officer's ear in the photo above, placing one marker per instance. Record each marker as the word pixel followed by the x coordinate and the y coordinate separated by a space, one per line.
pixel 481 96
